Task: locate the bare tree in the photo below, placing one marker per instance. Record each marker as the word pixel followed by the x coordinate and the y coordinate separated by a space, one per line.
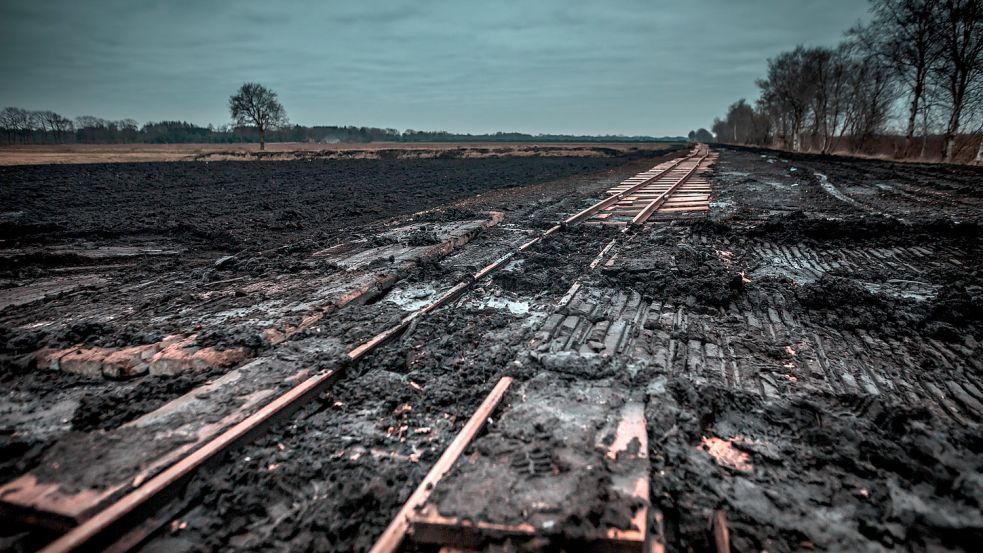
pixel 974 106
pixel 777 121
pixel 719 129
pixel 7 123
pixel 17 123
pixel 63 126
pixel 961 64
pixel 741 125
pixel 789 90
pixel 740 116
pixel 51 124
pixel 904 35
pixel 870 92
pixel 829 69
pixel 257 105
pixel 702 135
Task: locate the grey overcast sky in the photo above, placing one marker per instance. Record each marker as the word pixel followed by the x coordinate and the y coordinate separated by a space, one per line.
pixel 655 67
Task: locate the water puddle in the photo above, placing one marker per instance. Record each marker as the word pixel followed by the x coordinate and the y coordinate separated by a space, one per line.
pixel 413 297
pixel 903 289
pixel 512 306
pixel 832 190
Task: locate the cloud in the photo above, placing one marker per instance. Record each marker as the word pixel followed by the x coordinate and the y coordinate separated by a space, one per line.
pixel 551 65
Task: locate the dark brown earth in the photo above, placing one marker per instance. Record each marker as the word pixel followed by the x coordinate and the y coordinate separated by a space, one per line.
pixel 822 326
pixel 124 254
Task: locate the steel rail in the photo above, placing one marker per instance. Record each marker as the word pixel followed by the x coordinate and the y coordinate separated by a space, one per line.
pixel 106 526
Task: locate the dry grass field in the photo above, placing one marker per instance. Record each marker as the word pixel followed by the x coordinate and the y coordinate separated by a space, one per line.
pixel 120 153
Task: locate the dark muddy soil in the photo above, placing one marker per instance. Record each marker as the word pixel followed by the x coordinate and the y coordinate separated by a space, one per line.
pixel 230 206
pixel 63 405
pixel 835 186
pixel 107 410
pixel 347 462
pixel 808 344
pixel 819 472
pixel 808 357
pixel 543 461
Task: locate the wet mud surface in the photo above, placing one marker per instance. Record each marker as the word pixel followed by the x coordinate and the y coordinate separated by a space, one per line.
pixel 50 414
pixel 231 205
pixel 813 472
pixel 125 254
pixel 807 357
pixel 549 460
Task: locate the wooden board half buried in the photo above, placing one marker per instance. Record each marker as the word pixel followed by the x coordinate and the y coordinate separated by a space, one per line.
pixel 84 472
pixel 429 526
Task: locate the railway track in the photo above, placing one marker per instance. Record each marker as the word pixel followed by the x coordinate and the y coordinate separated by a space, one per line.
pixel 680 190
pixel 673 187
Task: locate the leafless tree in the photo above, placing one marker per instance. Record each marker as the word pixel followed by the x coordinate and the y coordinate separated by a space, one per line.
pixel 89 122
pixel 741 118
pixel 829 68
pixel 904 35
pixel 17 123
pixel 51 124
pixel 257 105
pixel 971 123
pixel 974 108
pixel 742 125
pixel 63 126
pixel 7 123
pixel 701 135
pixel 789 90
pixel 961 65
pixel 722 131
pixel 870 92
pixel 927 52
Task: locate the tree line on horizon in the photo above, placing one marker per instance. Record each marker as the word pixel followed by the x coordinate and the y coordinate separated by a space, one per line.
pixel 909 84
pixel 20 126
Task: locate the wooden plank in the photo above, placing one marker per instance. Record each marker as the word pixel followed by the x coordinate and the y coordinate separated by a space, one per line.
pixel 38 497
pixel 631 428
pixel 180 471
pixel 586 213
pixel 630 443
pixel 674 205
pixel 162 437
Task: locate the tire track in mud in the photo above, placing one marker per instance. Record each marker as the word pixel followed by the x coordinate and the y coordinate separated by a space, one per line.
pixel 833 191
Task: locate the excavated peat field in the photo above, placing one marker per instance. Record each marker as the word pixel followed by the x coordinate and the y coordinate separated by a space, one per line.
pixel 807 354
pixel 117 255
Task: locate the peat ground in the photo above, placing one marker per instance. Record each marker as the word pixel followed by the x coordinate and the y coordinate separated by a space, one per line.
pixel 808 354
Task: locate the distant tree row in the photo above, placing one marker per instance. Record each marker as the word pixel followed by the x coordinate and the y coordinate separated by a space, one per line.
pixel 410 135
pixel 701 135
pixel 19 126
pixel 908 84
pixel 258 116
